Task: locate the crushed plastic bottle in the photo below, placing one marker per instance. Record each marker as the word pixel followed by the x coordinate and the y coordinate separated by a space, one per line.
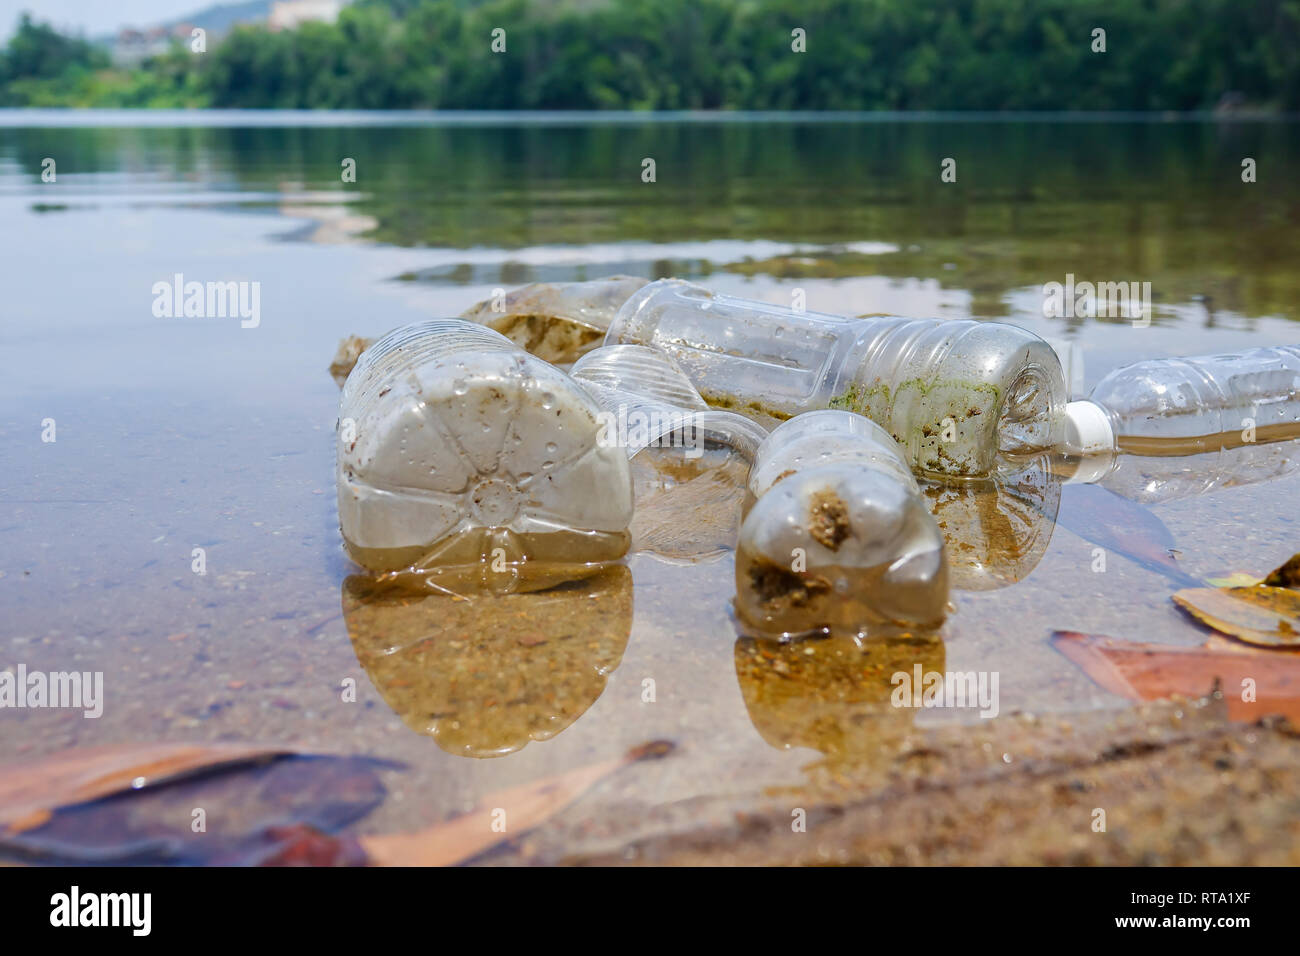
pixel 957 396
pixel 836 536
pixel 1189 406
pixel 466 463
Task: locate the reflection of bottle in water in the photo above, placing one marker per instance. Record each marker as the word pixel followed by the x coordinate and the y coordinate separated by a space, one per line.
pixel 1151 479
pixel 996 529
pixel 953 394
pixel 835 696
pixel 531 666
pixel 836 535
pixel 469 462
pixel 1187 406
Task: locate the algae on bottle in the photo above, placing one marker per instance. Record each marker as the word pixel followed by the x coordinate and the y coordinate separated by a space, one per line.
pixel 958 396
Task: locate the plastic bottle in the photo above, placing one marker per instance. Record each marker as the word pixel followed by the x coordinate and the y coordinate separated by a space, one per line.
pixel 556 321
pixel 1188 406
pixel 836 536
pixel 955 395
pixel 465 462
pixel 648 401
pixel 689 462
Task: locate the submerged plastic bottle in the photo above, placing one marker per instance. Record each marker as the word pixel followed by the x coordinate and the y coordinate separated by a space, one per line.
pixel 837 536
pixel 955 395
pixel 1188 406
pixel 465 462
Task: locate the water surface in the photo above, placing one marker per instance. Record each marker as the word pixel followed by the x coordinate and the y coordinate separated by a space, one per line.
pixel 179 434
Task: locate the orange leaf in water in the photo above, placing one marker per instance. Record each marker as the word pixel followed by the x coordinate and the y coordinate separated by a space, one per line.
pixel 1155 671
pixel 465 837
pixel 1259 614
pixel 32 790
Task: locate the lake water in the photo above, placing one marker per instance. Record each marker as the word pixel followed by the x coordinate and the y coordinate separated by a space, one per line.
pixel 176 434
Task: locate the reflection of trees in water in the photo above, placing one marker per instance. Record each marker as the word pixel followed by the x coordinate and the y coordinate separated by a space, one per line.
pixel 1149 201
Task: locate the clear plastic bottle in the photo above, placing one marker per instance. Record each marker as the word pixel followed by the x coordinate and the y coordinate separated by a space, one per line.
pixel 955 395
pixel 689 462
pixel 836 536
pixel 465 462
pixel 649 401
pixel 556 321
pixel 1188 406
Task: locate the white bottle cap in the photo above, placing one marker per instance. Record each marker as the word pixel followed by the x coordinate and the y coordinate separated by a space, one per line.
pixel 1087 429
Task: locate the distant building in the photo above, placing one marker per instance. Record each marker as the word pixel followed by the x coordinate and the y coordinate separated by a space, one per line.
pixel 290 14
pixel 131 46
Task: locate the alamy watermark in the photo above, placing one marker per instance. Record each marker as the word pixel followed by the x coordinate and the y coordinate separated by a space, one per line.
pixel 131 911
pixel 950 689
pixel 650 428
pixel 1096 300
pixel 81 690
pixel 208 300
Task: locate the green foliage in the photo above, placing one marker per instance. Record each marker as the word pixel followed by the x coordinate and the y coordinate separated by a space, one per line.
pixel 706 54
pixel 40 63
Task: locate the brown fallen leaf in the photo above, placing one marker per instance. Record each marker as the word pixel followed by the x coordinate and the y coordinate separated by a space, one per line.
pixel 281 810
pixel 1259 614
pixel 465 837
pixel 1155 671
pixel 1287 576
pixel 31 791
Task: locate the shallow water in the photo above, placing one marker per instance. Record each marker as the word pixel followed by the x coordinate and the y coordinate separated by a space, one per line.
pixel 174 434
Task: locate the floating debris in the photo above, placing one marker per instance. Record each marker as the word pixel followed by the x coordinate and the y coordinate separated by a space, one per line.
pixel 955 395
pixel 1259 614
pixel 836 535
pixel 464 463
pixel 557 322
pixel 166 804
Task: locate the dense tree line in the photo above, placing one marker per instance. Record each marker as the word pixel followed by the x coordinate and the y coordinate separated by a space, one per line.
pixel 706 54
